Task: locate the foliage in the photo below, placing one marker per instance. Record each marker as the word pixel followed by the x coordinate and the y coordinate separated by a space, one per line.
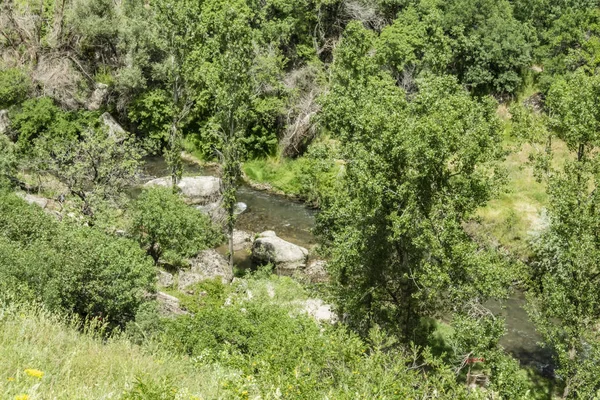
pixel 394 229
pixel 290 354
pixel 95 166
pixel 165 226
pixel 14 87
pixel 564 302
pixel 8 158
pixel 76 269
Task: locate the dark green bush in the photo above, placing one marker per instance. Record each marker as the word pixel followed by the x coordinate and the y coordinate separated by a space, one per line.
pixel 165 226
pixel 14 86
pixel 71 268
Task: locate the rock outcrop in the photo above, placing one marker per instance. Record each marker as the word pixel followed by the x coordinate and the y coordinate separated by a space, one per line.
pixel 320 311
pixel 115 130
pixel 164 279
pixel 98 97
pixel 32 199
pixel 242 240
pixel 207 265
pixel 285 256
pixel 169 305
pixel 4 122
pixel 316 271
pixel 202 190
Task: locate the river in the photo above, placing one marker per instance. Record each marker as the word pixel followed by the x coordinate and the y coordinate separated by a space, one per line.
pixel 293 222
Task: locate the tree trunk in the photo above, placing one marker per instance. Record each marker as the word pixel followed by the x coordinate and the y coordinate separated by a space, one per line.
pixel 230 233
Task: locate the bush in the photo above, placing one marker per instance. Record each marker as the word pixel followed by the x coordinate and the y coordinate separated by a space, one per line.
pixel 75 269
pixel 165 226
pixel 14 86
pixel 282 353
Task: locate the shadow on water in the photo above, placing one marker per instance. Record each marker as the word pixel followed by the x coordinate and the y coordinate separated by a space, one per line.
pixel 521 339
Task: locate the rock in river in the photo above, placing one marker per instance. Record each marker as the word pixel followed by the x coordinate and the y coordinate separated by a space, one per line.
pixel 285 256
pixel 196 189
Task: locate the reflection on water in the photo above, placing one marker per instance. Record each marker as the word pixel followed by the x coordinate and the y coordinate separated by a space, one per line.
pixel 293 221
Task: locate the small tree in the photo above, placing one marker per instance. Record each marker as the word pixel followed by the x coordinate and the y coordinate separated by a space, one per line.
pixel 96 167
pixel 221 68
pixel 178 22
pixel 166 227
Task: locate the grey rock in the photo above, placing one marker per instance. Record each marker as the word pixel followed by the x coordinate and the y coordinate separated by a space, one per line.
pixel 98 97
pixel 285 256
pixel 239 208
pixel 196 189
pixel 241 240
pixel 115 130
pixel 320 311
pixel 215 211
pixel 32 199
pixel 169 305
pixel 165 279
pixel 316 271
pixel 4 122
pixel 207 265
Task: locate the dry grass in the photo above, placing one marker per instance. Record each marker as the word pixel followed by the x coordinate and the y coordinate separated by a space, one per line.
pixel 516 214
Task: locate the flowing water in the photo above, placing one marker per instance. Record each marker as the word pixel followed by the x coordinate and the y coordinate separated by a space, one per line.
pixel 293 222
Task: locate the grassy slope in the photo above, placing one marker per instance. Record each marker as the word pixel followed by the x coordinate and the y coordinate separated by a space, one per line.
pixel 80 366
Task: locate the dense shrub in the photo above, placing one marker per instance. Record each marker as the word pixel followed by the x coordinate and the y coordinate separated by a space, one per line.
pixel 165 226
pixel 71 268
pixel 14 86
pixel 278 350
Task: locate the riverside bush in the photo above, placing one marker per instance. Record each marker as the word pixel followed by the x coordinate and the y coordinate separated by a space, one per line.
pixel 165 226
pixel 71 268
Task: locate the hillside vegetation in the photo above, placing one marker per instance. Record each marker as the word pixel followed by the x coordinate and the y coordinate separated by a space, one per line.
pixel 448 148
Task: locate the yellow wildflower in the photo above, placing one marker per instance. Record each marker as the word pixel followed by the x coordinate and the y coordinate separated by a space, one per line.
pixel 36 373
pixel 11 379
pixel 22 397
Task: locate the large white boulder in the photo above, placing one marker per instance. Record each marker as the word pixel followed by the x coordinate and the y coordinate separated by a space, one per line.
pixel 196 189
pixel 207 265
pixel 285 256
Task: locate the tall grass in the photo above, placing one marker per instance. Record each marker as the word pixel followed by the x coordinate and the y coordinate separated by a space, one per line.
pixel 80 364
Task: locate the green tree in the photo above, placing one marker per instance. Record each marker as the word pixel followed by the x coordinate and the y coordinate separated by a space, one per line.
pixel 222 72
pixel 96 166
pixel 564 300
pixel 166 227
pixel 178 32
pixel 415 171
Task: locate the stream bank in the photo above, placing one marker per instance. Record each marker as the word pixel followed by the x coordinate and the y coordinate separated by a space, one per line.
pixel 293 222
